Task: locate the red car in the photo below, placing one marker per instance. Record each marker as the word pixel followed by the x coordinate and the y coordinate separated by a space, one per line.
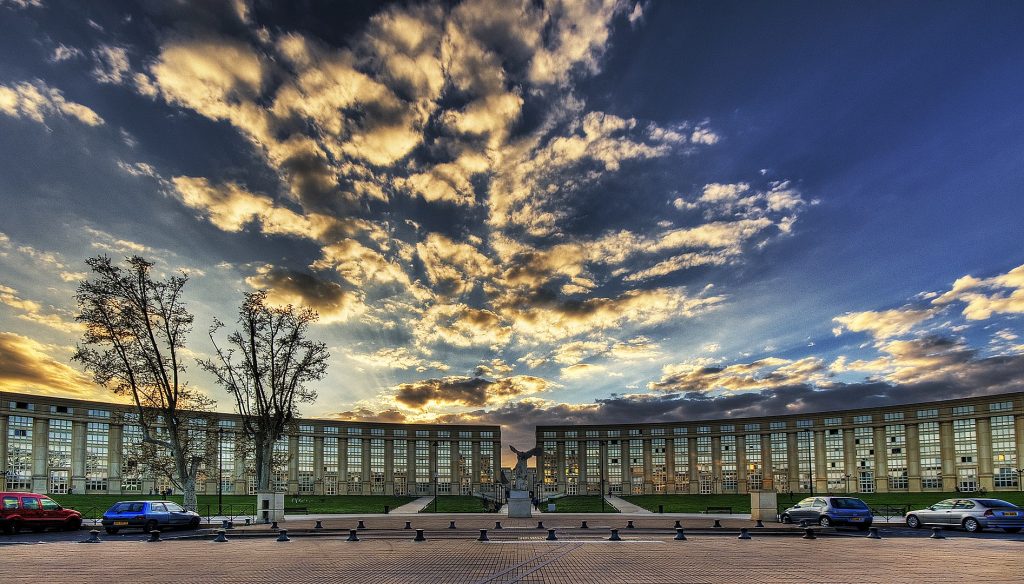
pixel 36 512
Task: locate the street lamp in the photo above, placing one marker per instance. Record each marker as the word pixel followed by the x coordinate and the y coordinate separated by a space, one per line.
pixel 847 477
pixel 437 476
pixel 220 472
pixel 1020 479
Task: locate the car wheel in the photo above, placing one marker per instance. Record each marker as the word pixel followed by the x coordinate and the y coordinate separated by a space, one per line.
pixel 786 519
pixel 112 530
pixel 8 528
pixel 971 525
pixel 913 522
pixel 38 529
pixel 73 525
pixel 194 524
pixel 864 527
pixel 151 525
pixel 825 521
pixel 1011 529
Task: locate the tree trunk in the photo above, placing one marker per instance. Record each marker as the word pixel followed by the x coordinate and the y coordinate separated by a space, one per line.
pixel 264 463
pixel 191 502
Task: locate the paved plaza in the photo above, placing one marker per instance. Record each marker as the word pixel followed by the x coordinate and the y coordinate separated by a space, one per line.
pixel 651 560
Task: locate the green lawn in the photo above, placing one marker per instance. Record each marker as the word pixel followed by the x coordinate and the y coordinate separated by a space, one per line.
pixel 580 504
pixel 741 503
pixel 95 505
pixel 457 504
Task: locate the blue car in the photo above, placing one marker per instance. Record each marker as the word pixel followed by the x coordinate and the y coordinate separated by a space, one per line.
pixel 148 515
pixel 829 511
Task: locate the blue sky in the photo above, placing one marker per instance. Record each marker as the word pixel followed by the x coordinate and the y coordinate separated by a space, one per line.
pixel 525 213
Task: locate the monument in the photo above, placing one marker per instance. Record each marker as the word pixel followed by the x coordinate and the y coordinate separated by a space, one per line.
pixel 519 504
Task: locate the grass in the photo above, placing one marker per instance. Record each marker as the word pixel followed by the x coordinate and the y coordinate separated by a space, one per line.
pixel 741 503
pixel 580 504
pixel 94 505
pixel 457 504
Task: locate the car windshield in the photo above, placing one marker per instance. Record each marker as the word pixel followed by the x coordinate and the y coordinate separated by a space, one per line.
pixel 848 503
pixel 174 508
pixel 997 504
pixel 127 508
pixel 49 504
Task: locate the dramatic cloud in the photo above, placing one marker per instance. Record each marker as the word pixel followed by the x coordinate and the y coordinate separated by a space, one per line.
pixel 27 366
pixel 468 391
pixel 333 303
pixel 881 324
pixel 37 101
pixel 701 376
pixel 1002 294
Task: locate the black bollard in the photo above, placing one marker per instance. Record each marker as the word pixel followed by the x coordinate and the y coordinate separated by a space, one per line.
pixel 615 536
pixel 223 523
pixel 154 535
pixel 717 523
pixel 319 525
pixel 937 533
pixel 551 535
pixel 231 523
pixel 873 533
pixel 94 537
pixel 744 534
pixel 221 536
pixel 584 525
pixel 680 534
pixel 803 523
pixel 451 525
pixel 759 523
pixel 419 536
pixel 273 525
pixel 408 525
pixel 677 525
pixel 497 525
pixel 808 534
pixel 283 535
pixel 629 524
pixel 361 525
pixel 540 525
pixel 483 535
pixel 352 535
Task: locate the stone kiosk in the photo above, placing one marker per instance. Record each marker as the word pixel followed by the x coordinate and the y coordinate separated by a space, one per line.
pixel 519 503
pixel 764 505
pixel 269 506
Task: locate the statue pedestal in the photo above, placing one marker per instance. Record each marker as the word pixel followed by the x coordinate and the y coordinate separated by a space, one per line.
pixel 519 504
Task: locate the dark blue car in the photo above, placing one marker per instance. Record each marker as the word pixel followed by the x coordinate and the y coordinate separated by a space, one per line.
pixel 148 515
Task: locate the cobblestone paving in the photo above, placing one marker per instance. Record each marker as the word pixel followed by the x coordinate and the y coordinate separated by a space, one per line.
pixel 638 559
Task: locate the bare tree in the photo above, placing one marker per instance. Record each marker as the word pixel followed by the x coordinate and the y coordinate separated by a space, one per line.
pixel 135 331
pixel 267 365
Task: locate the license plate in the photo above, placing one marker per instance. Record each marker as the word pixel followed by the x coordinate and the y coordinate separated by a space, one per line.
pixel 1010 513
pixel 856 519
pixel 120 523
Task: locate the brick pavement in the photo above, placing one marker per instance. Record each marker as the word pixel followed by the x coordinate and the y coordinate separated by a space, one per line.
pixel 638 559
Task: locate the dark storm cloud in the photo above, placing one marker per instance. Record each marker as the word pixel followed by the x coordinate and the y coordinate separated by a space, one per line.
pixel 285 286
pixel 467 391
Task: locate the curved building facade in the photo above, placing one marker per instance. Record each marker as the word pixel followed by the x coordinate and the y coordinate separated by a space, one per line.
pixel 54 445
pixel 964 444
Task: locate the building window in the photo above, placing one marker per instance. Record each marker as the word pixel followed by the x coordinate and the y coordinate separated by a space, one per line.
pixel 1004 452
pixel 965 442
pixel 613 466
pixel 400 466
pixel 727 428
pixel 679 430
pixel 752 427
pixel 803 423
pixel 376 465
pixel 1000 406
pixel 729 480
pixel 681 464
pixel 96 456
pixel 658 467
pixel 780 461
pixel 444 466
pixel 805 459
pixel 835 465
pixel 705 466
pixel 99 413
pixel 864 419
pixel 755 470
pixel 593 467
pixel 279 467
pixel 422 459
pixel 19 453
pixel 893 416
pixel 780 425
pixel 636 466
pixel 962 410
pixel 59 456
pixel 572 468
pixel 864 446
pixel 354 466
pixel 967 479
pixel 896 456
pixel 930 452
pixel 305 465
pixel 331 464
pixel 833 421
pixel 550 464
pixel 925 414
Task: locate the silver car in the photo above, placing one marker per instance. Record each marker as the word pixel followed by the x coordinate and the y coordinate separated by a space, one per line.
pixel 971 514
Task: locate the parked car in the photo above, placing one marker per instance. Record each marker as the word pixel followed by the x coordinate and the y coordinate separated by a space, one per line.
pixel 828 511
pixel 971 514
pixel 36 512
pixel 148 515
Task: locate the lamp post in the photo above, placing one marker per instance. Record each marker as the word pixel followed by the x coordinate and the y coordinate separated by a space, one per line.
pixel 847 477
pixel 220 472
pixel 437 476
pixel 1020 479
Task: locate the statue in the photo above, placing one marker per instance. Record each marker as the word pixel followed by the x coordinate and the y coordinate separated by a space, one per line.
pixel 519 472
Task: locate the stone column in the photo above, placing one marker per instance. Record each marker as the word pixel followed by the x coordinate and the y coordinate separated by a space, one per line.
pixel 115 459
pixel 983 430
pixel 293 464
pixel 716 465
pixel 820 465
pixel 1019 423
pixel 240 480
pixel 850 462
pixel 741 464
pixel 913 452
pixel 648 468
pixel 318 464
pixel 670 464
pixel 78 457
pixel 948 456
pixel 40 462
pixel 343 463
pixel 559 466
pixel 881 460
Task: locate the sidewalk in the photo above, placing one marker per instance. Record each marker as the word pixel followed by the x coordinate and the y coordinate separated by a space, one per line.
pixel 413 507
pixel 625 506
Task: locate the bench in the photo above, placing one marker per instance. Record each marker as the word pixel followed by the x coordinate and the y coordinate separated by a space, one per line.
pixel 296 511
pixel 718 510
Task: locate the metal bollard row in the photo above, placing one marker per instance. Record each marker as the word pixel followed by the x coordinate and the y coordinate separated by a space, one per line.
pixel 319 525
pixel 451 525
pixel 551 535
pixel 419 536
pixel 873 533
pixel 408 525
pixel 615 536
pixel 94 537
pixel 483 535
pixel 283 535
pixel 680 534
pixel 361 525
pixel 352 535
pixel 497 525
pixel 154 535
pixel 629 524
pixel 584 525
pixel 744 534
pixel 808 534
pixel 221 536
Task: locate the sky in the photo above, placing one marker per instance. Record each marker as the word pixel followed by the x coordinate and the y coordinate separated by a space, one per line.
pixel 534 212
